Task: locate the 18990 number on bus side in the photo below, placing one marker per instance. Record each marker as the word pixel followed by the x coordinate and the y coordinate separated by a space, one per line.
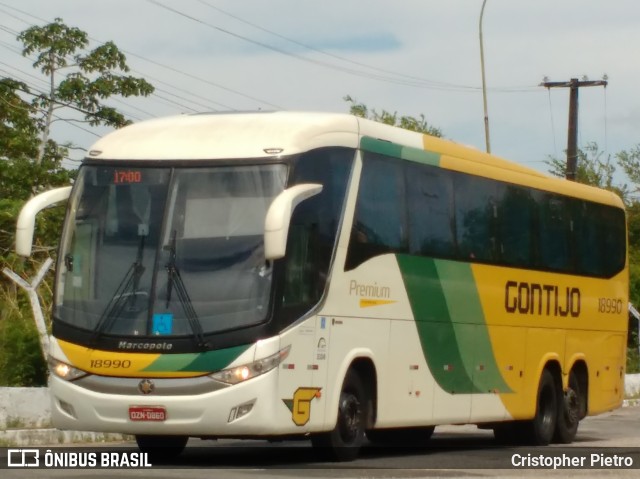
pixel 610 305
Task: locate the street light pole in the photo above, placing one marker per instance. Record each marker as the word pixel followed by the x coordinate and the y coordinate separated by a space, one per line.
pixel 484 84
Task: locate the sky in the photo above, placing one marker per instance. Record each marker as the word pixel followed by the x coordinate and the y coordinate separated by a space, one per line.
pixel 413 57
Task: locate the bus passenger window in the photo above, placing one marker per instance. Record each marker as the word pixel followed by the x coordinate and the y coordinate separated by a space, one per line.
pixel 516 219
pixel 430 206
pixel 554 226
pixel 476 217
pixel 379 221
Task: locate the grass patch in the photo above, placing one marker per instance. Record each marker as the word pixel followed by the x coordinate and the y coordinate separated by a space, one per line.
pixel 633 360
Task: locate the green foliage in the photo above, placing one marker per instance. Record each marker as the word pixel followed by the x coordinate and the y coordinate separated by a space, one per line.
pixel 31 162
pixel 86 78
pixel 633 360
pixel 407 122
pixel 18 131
pixel 593 169
pixel 21 361
pixel 630 163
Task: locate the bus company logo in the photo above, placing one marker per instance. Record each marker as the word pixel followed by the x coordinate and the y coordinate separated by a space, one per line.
pixel 146 386
pixel 300 405
pixel 23 458
pixel 541 299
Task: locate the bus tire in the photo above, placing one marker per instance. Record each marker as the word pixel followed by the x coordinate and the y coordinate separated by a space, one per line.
pixel 540 430
pixel 569 412
pixel 343 443
pixel 161 448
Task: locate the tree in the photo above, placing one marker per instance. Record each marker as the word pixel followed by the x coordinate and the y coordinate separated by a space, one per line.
pixel 91 77
pixel 31 161
pixel 593 169
pixel 630 163
pixel 407 122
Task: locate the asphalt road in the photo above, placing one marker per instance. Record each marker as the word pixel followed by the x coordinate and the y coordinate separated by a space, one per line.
pixel 455 451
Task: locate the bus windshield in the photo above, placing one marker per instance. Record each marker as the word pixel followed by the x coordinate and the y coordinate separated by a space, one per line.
pixel 167 251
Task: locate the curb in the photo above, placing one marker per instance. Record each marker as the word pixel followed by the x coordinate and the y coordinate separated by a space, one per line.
pixel 55 437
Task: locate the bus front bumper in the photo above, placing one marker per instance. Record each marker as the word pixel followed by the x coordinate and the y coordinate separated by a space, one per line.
pixel 245 409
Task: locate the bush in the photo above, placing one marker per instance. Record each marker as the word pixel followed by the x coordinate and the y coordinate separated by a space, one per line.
pixel 21 360
pixel 633 360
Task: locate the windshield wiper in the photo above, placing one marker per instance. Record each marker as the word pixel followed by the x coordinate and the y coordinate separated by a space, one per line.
pixel 125 295
pixel 174 280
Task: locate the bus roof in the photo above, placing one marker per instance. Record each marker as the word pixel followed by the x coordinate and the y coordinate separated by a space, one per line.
pixel 271 134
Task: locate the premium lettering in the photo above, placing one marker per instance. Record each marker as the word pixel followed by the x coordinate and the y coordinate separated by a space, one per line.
pixel 369 290
pixel 541 299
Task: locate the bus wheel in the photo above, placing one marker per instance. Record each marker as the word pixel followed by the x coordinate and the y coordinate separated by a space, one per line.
pixel 539 431
pixel 161 448
pixel 569 414
pixel 344 442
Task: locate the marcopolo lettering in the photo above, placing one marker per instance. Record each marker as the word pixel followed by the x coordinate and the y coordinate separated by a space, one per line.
pixel 145 346
pixel 541 299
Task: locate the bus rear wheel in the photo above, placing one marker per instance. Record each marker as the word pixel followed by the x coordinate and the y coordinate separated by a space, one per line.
pixel 161 448
pixel 343 443
pixel 569 414
pixel 540 430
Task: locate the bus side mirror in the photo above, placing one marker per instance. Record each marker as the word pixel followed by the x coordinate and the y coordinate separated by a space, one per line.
pixel 276 224
pixel 27 218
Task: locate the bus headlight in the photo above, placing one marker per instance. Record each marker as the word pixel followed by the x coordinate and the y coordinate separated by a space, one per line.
pixel 64 371
pixel 247 371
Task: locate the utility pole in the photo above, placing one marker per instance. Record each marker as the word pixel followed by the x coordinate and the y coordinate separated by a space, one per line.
pixel 572 138
pixel 484 82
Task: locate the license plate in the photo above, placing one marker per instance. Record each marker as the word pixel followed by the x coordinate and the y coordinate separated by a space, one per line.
pixel 147 413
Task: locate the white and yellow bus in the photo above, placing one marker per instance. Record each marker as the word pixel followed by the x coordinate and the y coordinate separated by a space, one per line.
pixel 325 276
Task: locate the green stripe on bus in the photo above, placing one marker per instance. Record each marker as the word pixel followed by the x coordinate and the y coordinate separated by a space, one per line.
pixel 463 302
pixel 451 326
pixel 397 151
pixel 382 147
pixel 420 156
pixel 208 361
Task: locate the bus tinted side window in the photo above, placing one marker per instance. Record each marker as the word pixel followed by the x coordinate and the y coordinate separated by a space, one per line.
pixel 476 201
pixel 314 224
pixel 430 205
pixel 554 232
pixel 515 226
pixel 440 213
pixel 379 221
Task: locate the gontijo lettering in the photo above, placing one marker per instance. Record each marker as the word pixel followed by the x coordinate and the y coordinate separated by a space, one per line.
pixel 541 299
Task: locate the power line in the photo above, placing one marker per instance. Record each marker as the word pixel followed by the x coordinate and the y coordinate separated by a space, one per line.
pixel 305 59
pixel 167 67
pixel 332 55
pixel 396 77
